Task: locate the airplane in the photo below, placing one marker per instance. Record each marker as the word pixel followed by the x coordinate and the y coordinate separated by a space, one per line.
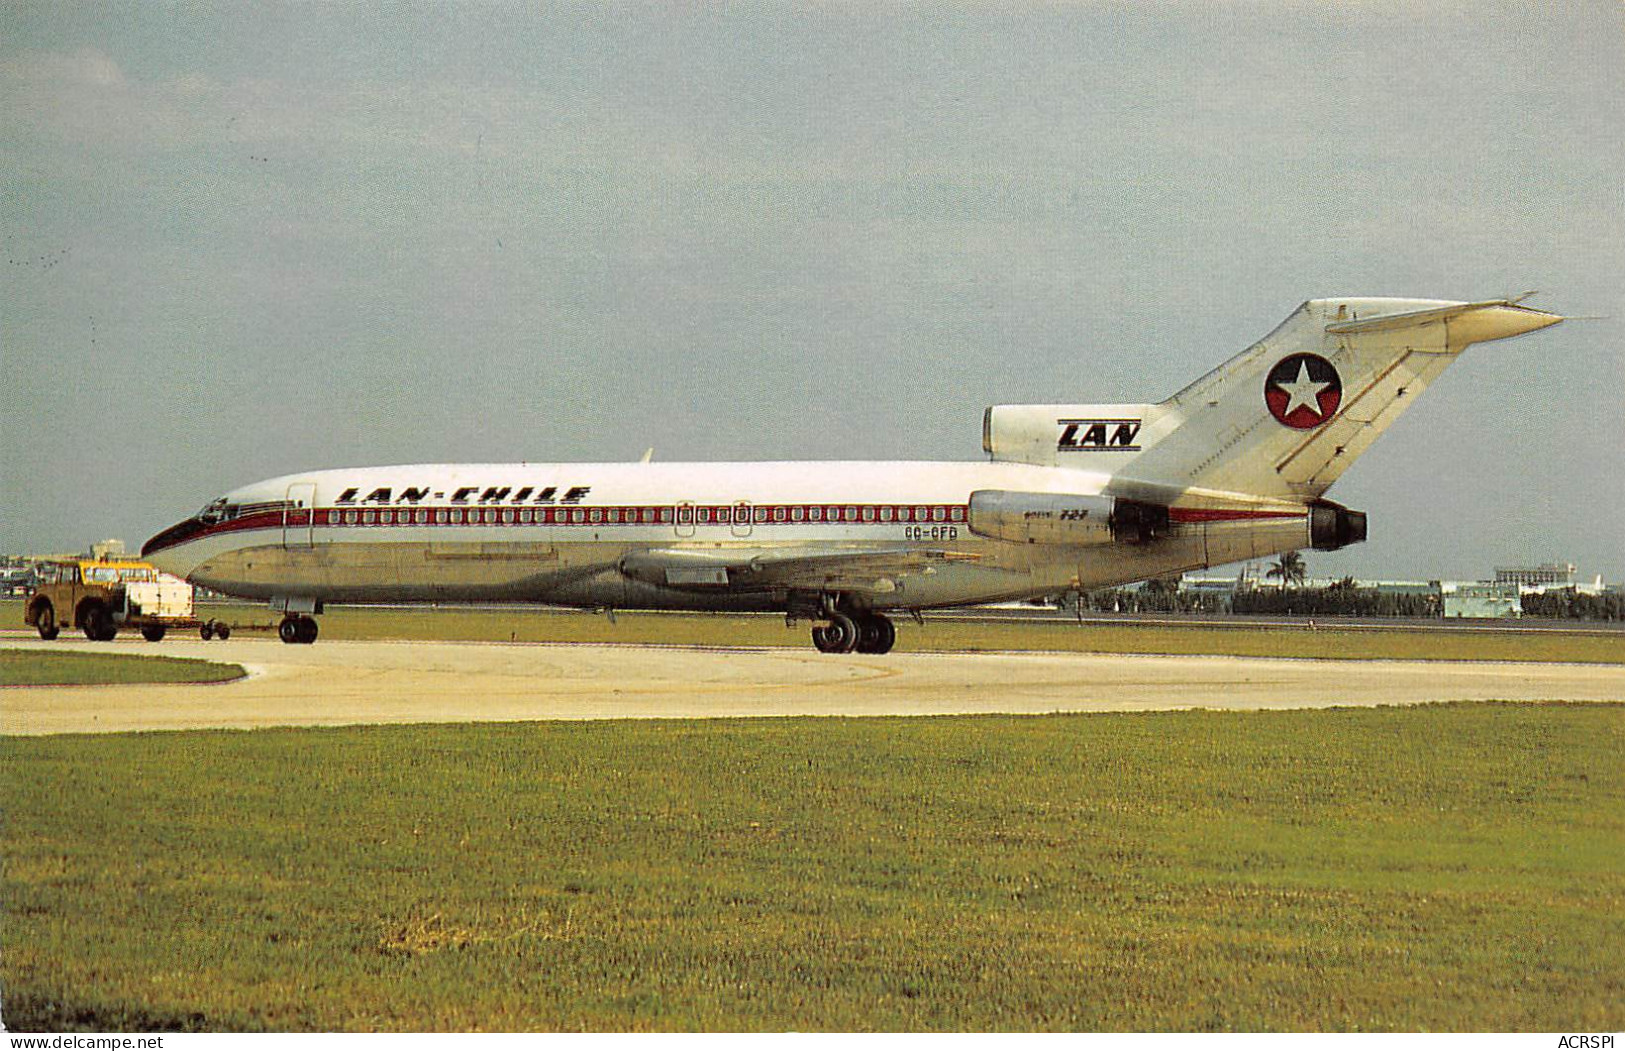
pixel 1233 467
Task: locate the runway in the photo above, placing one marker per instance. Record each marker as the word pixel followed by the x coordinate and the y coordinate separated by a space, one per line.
pixel 340 683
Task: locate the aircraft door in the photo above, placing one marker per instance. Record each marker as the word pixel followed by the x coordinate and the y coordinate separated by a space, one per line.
pixel 741 522
pixel 685 519
pixel 299 515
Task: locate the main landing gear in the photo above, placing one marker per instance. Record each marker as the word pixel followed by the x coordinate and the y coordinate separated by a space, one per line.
pixel 296 628
pixel 860 632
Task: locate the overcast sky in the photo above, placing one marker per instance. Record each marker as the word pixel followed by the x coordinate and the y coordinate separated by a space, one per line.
pixel 253 239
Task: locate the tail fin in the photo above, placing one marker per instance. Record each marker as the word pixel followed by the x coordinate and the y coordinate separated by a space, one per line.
pixel 1284 418
pixel 1287 416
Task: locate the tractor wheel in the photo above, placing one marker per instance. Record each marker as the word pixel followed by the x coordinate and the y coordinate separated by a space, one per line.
pixel 45 622
pixel 98 623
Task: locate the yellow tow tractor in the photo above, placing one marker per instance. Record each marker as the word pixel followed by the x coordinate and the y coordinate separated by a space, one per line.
pixel 100 597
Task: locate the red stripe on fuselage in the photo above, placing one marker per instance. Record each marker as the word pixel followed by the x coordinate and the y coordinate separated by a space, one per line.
pixel 694 516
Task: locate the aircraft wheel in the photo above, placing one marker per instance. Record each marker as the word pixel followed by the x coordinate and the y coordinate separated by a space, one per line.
pixel 876 634
pixel 206 630
pixel 288 630
pixel 46 623
pixel 840 635
pixel 222 631
pixel 153 633
pixel 306 631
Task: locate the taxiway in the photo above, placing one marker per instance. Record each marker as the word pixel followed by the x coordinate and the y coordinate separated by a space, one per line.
pixel 338 683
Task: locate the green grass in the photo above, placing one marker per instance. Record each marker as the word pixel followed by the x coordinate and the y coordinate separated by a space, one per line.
pixel 938 634
pixel 1444 868
pixel 33 667
pixel 476 624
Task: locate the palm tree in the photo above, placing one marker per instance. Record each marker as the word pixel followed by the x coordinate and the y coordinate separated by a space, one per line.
pixel 1290 568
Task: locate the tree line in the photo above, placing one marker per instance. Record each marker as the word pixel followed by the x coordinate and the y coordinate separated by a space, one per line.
pixel 1569 604
pixel 1341 599
pixel 1337 600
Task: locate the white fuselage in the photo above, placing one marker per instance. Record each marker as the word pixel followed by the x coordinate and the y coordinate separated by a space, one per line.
pixel 1234 466
pixel 558 533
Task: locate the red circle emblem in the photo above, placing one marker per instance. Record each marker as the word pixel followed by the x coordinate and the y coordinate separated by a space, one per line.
pixel 1303 391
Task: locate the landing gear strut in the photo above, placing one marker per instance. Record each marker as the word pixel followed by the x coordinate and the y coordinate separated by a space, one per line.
pixel 863 632
pixel 297 629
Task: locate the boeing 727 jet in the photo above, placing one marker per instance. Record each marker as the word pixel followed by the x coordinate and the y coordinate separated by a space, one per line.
pixel 1235 466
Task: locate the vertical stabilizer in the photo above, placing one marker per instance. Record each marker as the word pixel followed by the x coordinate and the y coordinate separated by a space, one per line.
pixel 1288 415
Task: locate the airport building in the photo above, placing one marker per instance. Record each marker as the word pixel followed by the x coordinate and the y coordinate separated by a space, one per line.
pixel 1560 574
pixel 1482 600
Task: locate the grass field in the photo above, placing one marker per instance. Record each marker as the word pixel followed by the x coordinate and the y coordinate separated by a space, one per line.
pixel 937 634
pixel 1446 868
pixel 44 668
pixel 1398 643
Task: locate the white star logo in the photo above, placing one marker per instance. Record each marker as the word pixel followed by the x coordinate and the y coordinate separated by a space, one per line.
pixel 1302 392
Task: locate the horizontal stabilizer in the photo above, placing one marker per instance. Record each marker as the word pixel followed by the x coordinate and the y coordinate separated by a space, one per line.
pixel 1466 323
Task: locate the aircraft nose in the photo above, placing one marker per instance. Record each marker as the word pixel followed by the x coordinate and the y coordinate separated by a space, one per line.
pixel 178 533
pixel 164 550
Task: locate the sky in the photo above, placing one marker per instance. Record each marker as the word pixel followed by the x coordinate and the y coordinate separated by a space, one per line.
pixel 249 239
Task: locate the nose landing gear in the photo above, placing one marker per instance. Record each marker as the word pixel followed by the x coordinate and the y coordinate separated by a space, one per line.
pixel 297 629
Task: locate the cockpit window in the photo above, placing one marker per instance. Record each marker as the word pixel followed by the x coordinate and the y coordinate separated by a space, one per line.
pixel 218 511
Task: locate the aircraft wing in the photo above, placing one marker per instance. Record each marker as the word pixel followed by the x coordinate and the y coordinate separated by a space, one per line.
pixel 874 570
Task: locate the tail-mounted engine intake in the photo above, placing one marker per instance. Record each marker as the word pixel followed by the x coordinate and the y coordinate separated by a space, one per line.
pixel 1332 526
pixel 1051 518
pixel 1067 435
